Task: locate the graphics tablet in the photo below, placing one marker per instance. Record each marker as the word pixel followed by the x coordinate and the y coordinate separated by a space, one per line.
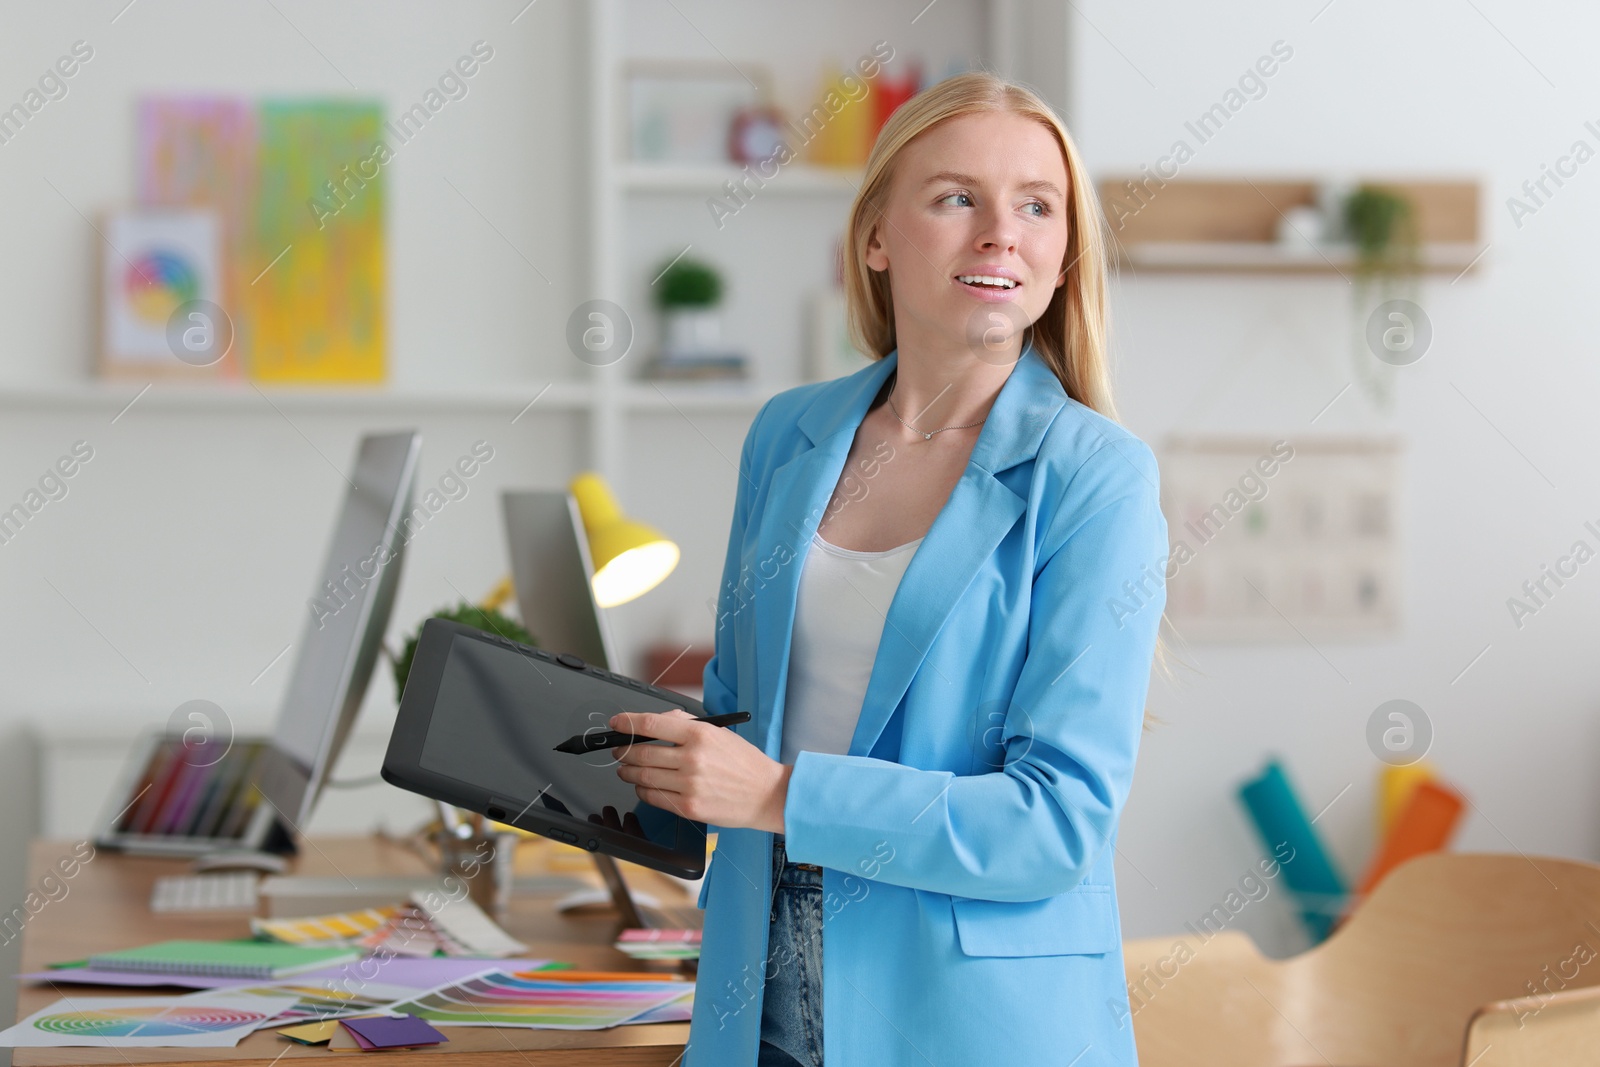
pixel 478 727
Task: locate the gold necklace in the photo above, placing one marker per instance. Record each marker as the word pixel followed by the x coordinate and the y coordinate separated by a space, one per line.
pixel 926 436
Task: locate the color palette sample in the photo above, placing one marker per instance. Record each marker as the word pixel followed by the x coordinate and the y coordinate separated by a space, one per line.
pixel 676 1011
pixel 213 1020
pixel 322 1000
pixel 496 998
pixel 340 928
pixel 650 944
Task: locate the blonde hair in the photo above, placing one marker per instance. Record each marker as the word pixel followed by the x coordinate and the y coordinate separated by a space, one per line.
pixel 1070 336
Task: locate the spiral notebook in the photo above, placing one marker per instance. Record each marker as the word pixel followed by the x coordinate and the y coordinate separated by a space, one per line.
pixel 223 959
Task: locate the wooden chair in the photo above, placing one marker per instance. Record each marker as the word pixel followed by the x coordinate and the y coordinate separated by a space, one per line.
pixel 1491 960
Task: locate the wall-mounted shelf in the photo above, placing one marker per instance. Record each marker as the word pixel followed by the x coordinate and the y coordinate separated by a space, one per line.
pixel 711 396
pixel 1261 257
pixel 1231 226
pixel 512 397
pixel 797 179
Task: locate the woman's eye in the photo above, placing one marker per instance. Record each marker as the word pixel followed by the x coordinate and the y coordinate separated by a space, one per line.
pixel 1044 209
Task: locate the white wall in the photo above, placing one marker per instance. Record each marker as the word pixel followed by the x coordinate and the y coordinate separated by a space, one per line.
pixel 179 558
pixel 1506 392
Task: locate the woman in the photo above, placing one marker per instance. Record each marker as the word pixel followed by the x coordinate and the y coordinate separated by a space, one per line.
pixel 940 604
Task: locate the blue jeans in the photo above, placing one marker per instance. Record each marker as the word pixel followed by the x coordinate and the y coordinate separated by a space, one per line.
pixel 791 1006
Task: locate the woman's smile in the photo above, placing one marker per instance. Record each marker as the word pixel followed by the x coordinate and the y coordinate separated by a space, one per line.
pixel 990 283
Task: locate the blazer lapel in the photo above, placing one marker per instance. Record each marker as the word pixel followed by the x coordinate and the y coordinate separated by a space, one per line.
pixel 979 513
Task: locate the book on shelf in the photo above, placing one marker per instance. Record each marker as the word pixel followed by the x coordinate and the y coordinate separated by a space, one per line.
pixel 717 365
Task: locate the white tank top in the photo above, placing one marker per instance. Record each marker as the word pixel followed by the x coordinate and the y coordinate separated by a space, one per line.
pixel 838 622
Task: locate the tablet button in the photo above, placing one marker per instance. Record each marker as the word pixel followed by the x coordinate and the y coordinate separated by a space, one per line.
pixel 591 844
pixel 565 835
pixel 567 659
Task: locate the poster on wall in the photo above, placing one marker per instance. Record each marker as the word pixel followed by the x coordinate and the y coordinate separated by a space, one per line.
pixel 1282 540
pixel 200 151
pixel 160 278
pixel 299 189
pixel 318 312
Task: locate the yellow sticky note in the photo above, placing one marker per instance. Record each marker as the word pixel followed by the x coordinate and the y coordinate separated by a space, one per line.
pixel 310 1033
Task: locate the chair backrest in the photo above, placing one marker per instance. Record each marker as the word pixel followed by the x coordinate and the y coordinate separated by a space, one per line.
pixel 1394 986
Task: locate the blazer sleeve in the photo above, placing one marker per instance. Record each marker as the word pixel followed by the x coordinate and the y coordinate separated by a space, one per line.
pixel 720 680
pixel 1070 734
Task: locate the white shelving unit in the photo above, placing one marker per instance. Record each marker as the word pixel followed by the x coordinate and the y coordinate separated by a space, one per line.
pixel 778 249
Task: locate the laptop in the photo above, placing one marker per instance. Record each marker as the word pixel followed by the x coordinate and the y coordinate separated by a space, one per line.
pixel 186 790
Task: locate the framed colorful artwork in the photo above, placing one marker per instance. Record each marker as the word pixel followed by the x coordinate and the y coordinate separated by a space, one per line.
pixel 161 291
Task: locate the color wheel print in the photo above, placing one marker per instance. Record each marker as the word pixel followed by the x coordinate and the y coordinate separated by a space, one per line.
pixel 153 1021
pixel 156 282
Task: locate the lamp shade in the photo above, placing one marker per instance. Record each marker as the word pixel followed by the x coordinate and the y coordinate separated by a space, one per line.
pixel 629 558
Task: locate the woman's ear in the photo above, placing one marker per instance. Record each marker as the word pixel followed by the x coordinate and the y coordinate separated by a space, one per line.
pixel 876 257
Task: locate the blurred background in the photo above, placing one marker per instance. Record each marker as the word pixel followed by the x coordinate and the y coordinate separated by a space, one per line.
pixel 1347 313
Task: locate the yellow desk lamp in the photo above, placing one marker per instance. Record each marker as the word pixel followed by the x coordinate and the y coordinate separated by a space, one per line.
pixel 629 557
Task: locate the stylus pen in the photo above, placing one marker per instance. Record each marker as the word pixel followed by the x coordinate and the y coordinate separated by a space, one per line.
pixel 593 742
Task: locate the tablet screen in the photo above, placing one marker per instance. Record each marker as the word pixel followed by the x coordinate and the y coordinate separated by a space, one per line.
pixel 499 715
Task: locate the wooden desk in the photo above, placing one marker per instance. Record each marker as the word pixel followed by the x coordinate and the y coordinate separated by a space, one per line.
pixel 107 907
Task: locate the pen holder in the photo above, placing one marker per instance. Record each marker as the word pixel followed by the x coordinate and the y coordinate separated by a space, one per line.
pixel 483 863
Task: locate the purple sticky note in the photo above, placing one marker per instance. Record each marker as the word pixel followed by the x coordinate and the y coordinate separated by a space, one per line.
pixel 393 1032
pixel 367 1046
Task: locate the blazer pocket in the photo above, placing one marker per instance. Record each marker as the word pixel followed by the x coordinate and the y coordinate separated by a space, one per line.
pixel 1079 922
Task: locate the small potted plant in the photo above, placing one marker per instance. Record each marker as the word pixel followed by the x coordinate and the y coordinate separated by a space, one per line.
pixel 1382 225
pixel 688 292
pixel 489 620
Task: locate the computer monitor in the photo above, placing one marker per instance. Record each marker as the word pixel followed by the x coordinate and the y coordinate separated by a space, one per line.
pixel 257 792
pixel 553 575
pixel 347 615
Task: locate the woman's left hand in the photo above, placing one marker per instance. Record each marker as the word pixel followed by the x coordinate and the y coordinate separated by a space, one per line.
pixel 710 775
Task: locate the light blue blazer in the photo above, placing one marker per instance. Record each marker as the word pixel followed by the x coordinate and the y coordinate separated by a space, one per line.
pixel 969 908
